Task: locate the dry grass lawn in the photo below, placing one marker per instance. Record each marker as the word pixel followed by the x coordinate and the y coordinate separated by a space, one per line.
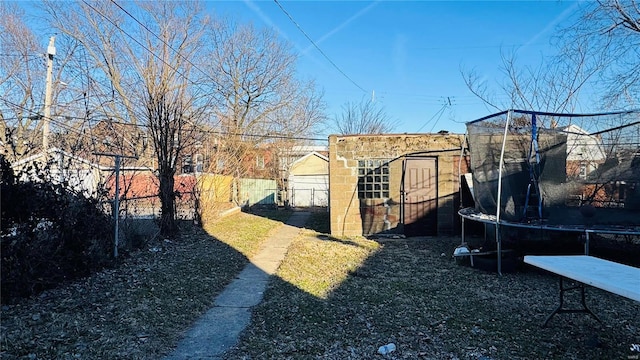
pixel 343 298
pixel 332 299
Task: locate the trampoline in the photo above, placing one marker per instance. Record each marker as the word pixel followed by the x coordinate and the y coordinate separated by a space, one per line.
pixel 575 173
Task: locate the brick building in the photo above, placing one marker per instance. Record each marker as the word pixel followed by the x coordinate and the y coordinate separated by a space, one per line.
pixel 396 184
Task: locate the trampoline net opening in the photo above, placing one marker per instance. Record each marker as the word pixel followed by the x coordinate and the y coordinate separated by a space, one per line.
pixel 564 169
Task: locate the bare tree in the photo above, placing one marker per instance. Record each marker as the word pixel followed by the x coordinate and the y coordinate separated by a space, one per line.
pixel 166 67
pixel 365 117
pixel 609 30
pixel 146 66
pixel 21 78
pixel 258 95
pixel 554 85
pixel 600 52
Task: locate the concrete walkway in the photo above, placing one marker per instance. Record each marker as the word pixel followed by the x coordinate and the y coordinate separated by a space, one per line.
pixel 218 329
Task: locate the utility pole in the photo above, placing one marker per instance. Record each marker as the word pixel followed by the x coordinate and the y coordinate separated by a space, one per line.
pixel 51 51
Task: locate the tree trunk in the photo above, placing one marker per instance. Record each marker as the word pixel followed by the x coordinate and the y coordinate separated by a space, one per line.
pixel 168 226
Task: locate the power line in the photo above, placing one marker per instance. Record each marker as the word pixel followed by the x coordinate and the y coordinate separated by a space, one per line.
pixel 438 119
pixel 317 47
pixel 22 55
pixel 215 132
pixel 163 41
pixel 441 111
pixel 138 42
pixel 219 132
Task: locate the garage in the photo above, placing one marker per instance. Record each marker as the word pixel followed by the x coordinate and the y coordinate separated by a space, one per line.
pixel 308 181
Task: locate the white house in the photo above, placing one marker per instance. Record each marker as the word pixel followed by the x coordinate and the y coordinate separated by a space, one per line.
pixel 585 152
pixel 62 167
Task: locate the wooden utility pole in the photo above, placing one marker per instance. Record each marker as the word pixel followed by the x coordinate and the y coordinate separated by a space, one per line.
pixel 51 51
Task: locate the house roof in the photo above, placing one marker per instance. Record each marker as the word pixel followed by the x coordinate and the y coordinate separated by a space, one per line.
pixel 57 151
pixel 309 148
pixel 313 153
pixel 312 163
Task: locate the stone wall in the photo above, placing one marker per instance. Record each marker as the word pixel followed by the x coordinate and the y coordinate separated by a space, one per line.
pixel 346 151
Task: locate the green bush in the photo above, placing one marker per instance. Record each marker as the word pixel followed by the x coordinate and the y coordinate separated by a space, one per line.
pixel 49 235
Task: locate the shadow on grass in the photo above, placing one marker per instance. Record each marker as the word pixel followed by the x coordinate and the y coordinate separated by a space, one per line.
pixel 412 293
pixel 409 292
pixel 345 241
pixel 318 221
pixel 269 212
pixel 138 310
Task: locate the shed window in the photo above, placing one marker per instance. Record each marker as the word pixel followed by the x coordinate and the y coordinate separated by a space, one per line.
pixel 373 179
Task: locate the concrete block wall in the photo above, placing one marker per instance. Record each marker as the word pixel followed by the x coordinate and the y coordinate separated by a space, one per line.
pixel 346 150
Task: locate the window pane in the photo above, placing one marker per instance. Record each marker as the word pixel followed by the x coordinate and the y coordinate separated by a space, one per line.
pixel 372 184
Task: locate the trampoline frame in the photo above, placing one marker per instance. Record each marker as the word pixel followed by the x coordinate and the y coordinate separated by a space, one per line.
pixel 495 220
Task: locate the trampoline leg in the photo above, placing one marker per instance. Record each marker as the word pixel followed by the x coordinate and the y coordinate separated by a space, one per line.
pixel 499 245
pixel 560 309
pixel 586 243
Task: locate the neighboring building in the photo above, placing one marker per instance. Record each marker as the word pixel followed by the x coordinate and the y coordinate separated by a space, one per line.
pixel 60 167
pixel 616 182
pixel 308 181
pixel 289 154
pixel 585 152
pixel 398 184
pixel 260 163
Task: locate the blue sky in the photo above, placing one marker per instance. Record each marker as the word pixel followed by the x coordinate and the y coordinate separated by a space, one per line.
pixel 408 53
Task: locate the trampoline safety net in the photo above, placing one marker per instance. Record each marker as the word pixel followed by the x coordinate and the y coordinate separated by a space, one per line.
pixel 566 169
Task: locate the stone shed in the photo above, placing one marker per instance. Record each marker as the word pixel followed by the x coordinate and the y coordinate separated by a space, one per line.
pixel 394 184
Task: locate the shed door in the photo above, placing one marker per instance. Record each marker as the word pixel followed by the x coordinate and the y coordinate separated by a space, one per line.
pixel 420 186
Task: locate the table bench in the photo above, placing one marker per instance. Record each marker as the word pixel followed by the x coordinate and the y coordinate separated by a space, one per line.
pixel 607 275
